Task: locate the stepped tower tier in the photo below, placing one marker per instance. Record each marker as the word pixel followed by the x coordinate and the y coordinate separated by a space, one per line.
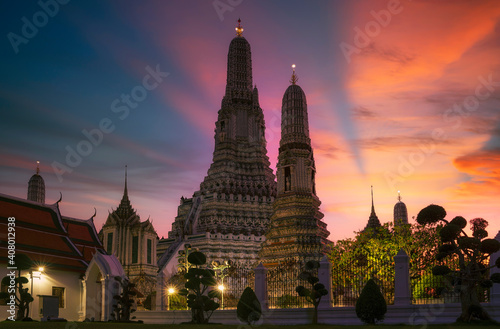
pixel 235 198
pixel 297 231
pixel 400 212
pixel 36 186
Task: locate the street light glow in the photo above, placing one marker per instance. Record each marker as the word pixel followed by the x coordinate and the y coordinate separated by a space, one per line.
pixel 171 291
pixel 221 287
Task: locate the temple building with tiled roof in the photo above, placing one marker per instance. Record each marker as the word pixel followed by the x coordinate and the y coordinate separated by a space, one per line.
pixel 61 249
pixel 133 242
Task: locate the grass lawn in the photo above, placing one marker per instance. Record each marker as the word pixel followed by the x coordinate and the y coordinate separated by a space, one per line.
pixel 107 325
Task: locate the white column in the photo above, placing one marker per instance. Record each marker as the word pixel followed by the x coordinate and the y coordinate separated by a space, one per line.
pixel 81 312
pixel 105 299
pixel 324 271
pixel 160 291
pixel 261 286
pixel 402 293
pixel 495 290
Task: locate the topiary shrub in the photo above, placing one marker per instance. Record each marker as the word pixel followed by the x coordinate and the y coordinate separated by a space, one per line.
pixel 23 298
pixel 318 289
pixel 199 282
pixel 122 310
pixel 472 253
pixel 371 306
pixel 248 309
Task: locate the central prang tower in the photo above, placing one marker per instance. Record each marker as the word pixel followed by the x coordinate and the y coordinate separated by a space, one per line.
pixel 296 231
pixel 229 215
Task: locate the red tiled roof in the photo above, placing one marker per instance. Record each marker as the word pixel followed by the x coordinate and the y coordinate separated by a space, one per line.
pixel 84 236
pixel 41 235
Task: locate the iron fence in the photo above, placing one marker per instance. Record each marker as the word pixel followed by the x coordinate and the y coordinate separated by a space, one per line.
pixel 349 279
pixel 282 281
pixel 433 289
pixel 235 282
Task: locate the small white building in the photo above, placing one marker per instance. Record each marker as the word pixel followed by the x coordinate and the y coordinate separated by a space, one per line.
pixel 61 249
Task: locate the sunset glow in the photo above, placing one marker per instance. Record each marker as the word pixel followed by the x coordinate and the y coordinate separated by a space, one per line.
pixel 412 105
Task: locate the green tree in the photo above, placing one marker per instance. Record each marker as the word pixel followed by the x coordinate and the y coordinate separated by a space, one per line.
pixel 371 306
pixel 317 290
pixel 199 282
pixel 371 255
pixel 472 253
pixel 22 297
pixel 248 309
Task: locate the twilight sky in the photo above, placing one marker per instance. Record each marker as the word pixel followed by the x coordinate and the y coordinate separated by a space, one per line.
pixel 402 95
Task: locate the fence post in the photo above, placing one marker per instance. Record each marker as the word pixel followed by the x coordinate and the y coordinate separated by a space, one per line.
pixel 160 290
pixel 402 293
pixel 324 276
pixel 495 289
pixel 261 285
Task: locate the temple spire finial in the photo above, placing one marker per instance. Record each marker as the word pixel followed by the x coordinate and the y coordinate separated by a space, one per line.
pixel 239 29
pixel 38 167
pixel 125 191
pixel 373 207
pixel 399 196
pixel 295 78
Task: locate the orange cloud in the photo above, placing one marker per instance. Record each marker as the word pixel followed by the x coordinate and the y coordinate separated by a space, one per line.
pixel 484 169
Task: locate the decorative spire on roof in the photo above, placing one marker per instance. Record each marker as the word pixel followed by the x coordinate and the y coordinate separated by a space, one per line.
pixel 399 196
pixel 295 78
pixel 239 29
pixel 36 186
pixel 373 221
pixel 125 209
pixel 125 192
pixel 373 207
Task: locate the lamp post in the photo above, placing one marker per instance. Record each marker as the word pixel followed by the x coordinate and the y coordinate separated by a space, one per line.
pixel 221 288
pixel 171 291
pixel 220 272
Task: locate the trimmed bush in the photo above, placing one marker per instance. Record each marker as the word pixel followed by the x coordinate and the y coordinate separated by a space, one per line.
pixel 449 232
pixel 248 309
pixel 431 214
pixel 371 306
pixel 489 246
pixel 199 281
pixel 459 221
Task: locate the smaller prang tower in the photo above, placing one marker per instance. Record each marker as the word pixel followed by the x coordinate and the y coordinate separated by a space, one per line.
pixel 297 232
pixel 400 212
pixel 36 186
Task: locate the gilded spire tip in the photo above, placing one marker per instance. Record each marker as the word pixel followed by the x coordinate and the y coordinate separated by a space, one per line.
pixel 399 195
pixel 295 78
pixel 239 29
pixel 37 167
